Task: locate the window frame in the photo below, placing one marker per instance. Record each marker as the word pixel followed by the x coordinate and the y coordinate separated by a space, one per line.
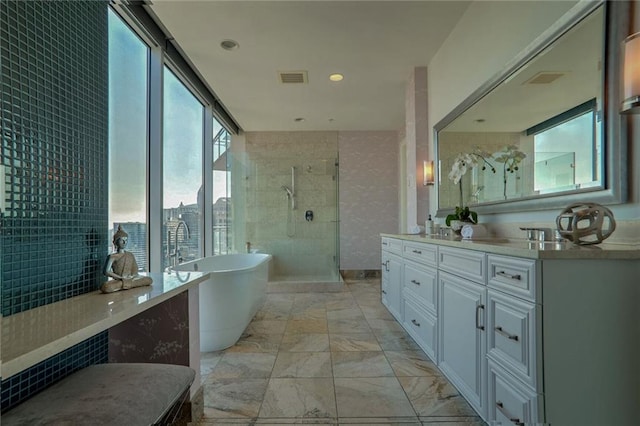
pixel 163 53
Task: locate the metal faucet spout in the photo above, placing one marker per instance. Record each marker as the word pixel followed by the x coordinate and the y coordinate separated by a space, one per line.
pixel 174 255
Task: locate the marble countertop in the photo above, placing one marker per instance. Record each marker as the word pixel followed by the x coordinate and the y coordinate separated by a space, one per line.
pixel 34 335
pixel 531 249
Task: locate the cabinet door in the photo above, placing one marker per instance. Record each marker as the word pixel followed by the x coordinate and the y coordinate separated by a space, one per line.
pixel 468 264
pixel 509 401
pixel 392 245
pixel 511 336
pixel 421 253
pixel 422 326
pixel 421 284
pixel 462 337
pixel 391 282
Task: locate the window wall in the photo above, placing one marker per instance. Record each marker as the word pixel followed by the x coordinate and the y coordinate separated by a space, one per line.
pixel 160 116
pixel 128 82
pixel 182 196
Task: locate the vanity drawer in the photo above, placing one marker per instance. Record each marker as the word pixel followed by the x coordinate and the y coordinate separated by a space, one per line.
pixel 513 275
pixel 463 263
pixel 511 327
pixel 421 283
pixel 419 252
pixel 392 244
pixel 422 326
pixel 510 402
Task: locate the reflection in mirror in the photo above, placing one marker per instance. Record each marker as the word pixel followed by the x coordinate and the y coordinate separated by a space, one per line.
pixel 537 132
pixel 567 150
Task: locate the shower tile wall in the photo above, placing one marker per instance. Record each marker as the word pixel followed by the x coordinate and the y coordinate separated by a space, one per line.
pixel 300 248
pixel 53 167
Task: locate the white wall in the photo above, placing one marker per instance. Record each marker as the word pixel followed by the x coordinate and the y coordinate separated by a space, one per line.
pixel 489 35
pixel 369 195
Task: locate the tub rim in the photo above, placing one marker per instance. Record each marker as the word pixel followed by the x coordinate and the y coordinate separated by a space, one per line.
pixel 265 257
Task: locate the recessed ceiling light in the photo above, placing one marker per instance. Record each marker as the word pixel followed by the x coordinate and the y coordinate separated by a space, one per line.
pixel 229 44
pixel 336 77
pixel 299 119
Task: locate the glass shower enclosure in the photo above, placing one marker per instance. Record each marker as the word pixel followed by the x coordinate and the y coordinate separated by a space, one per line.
pixel 285 202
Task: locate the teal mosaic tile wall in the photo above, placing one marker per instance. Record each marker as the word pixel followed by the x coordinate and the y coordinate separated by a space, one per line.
pixel 27 383
pixel 54 115
pixel 53 167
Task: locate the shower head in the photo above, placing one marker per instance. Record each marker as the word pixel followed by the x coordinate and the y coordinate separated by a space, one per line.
pixel 289 193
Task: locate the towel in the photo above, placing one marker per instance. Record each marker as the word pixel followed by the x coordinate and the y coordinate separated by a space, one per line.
pixel 473 231
pixel 415 229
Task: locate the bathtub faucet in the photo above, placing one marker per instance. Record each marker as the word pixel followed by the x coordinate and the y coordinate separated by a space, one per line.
pixel 173 255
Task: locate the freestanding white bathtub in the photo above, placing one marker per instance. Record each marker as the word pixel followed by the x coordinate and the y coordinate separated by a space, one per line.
pixel 230 298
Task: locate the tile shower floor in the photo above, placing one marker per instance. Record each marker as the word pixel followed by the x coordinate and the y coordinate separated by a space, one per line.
pixel 336 357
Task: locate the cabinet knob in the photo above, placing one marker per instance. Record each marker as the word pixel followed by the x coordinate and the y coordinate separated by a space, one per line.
pixel 417 251
pixel 416 323
pixel 415 282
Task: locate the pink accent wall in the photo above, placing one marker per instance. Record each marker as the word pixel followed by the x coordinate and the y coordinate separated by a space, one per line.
pixel 417 139
pixel 369 195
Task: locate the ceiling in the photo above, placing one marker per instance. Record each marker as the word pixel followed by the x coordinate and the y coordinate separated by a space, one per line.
pixel 374 44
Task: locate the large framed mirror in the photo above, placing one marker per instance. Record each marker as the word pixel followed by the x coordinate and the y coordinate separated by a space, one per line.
pixel 545 131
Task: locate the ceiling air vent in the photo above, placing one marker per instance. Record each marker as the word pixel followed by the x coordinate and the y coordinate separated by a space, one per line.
pixel 287 77
pixel 544 77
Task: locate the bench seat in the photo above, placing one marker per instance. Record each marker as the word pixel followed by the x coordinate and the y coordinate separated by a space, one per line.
pixel 107 394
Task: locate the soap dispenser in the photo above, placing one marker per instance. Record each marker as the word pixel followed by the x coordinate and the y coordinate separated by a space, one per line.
pixel 428 226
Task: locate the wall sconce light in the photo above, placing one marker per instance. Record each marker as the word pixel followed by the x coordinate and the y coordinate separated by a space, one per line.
pixel 631 75
pixel 427 173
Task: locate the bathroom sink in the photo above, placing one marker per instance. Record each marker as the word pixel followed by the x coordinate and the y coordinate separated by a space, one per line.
pixel 489 240
pixel 523 243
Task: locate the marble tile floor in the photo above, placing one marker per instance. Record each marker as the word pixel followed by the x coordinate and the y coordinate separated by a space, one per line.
pixel 332 357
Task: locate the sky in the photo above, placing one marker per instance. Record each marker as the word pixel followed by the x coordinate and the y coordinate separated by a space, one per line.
pixel 127 123
pixel 182 132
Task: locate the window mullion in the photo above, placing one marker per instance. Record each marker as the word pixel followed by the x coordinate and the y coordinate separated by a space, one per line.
pixel 154 165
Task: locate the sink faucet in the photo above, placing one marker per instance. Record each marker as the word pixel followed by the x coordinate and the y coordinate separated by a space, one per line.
pixel 173 256
pixel 538 234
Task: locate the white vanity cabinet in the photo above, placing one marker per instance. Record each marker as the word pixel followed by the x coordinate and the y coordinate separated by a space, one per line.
pixel 527 335
pixel 391 276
